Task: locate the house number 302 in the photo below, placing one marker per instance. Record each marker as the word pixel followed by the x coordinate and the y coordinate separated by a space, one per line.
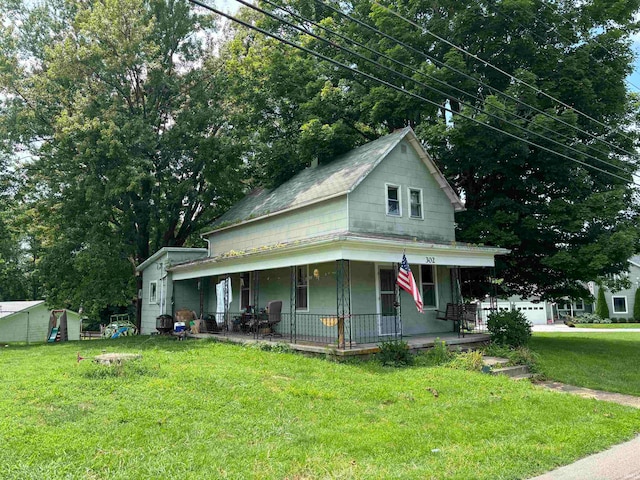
pixel 430 260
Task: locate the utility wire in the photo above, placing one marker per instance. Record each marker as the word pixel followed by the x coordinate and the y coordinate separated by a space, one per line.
pixel 395 87
pixel 466 75
pixel 422 84
pixel 488 64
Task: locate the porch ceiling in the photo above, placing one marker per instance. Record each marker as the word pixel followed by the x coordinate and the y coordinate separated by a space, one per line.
pixel 345 246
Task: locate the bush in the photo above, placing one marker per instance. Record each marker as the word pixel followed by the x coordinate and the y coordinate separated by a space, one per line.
pixel 588 318
pixel 509 328
pixel 438 355
pixel 614 320
pixel 467 361
pixel 516 356
pixel 636 306
pixel 602 309
pixel 622 320
pixel 395 353
pixel 606 320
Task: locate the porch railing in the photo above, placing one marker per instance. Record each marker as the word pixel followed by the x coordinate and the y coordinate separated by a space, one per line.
pixel 316 329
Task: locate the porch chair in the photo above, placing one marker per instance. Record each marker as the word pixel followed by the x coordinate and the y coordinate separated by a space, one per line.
pixel 274 316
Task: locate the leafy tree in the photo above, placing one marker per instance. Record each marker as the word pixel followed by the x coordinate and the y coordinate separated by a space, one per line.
pixel 125 109
pixel 602 309
pixel 565 223
pixel 636 306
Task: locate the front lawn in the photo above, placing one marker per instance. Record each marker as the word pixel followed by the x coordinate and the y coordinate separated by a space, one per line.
pixel 197 409
pixel 603 361
pixel 608 325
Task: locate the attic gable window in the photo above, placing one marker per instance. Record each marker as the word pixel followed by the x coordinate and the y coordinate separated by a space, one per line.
pixel 393 200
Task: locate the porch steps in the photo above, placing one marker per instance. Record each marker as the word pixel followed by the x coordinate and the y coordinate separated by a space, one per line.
pixel 498 366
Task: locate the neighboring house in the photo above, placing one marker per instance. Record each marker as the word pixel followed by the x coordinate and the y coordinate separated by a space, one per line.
pixel 327 243
pixel 621 303
pixel 29 322
pixel 536 311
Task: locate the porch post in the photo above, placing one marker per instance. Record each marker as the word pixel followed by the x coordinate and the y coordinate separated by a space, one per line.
pixel 256 299
pixel 343 301
pixel 201 288
pixel 292 303
pixel 397 322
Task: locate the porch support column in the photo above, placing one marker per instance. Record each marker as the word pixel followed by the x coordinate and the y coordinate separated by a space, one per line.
pixel 397 322
pixel 201 288
pixel 256 301
pixel 292 302
pixel 343 302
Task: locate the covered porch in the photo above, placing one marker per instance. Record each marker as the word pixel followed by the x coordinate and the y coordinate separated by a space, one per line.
pixel 338 291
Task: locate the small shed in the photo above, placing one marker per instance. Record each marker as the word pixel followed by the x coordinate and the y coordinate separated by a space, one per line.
pixel 29 322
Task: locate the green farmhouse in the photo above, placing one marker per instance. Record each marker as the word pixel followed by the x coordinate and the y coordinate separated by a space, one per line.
pixel 322 250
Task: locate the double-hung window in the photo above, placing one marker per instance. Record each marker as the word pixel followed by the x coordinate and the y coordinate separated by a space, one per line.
pixel 392 195
pixel 302 287
pixel 153 292
pixel 619 304
pixel 415 203
pixel 245 290
pixel 428 283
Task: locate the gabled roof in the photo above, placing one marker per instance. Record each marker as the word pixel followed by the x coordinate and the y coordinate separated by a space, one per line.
pixel 9 308
pixel 339 177
pixel 165 250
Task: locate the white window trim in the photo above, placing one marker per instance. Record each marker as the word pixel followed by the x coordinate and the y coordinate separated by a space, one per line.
pixel 435 284
pixel 409 190
pixel 153 300
pixel 386 199
pixel 250 290
pixel 613 304
pixel 306 267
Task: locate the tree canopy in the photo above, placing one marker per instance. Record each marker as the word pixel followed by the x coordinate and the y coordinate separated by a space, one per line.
pixel 139 123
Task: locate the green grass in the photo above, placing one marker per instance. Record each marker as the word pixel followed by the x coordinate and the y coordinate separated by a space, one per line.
pixel 193 410
pixel 594 360
pixel 608 325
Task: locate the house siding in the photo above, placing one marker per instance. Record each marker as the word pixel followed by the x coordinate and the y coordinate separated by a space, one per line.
pixel 367 208
pixel 629 293
pixel 319 219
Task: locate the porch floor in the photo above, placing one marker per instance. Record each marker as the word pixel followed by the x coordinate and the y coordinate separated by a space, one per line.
pixel 416 342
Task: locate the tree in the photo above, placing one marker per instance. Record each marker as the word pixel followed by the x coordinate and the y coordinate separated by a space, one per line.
pixel 602 310
pixel 636 306
pixel 125 109
pixel 564 222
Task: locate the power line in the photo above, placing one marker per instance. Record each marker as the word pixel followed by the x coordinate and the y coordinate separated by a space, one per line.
pixel 488 64
pixel 395 87
pixel 406 77
pixel 480 82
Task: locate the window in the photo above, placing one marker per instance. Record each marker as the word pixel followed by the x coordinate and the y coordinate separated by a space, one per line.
pixel 428 281
pixel 415 203
pixel 393 200
pixel 619 304
pixel 580 304
pixel 245 290
pixel 302 288
pixel 153 292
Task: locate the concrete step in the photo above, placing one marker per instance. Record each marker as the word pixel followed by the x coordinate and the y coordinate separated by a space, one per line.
pixel 494 361
pixel 511 371
pixel 524 376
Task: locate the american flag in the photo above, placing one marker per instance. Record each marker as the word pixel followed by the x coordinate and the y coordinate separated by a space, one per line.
pixel 408 283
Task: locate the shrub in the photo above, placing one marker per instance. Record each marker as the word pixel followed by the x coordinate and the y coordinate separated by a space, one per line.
pixel 467 361
pixel 509 328
pixel 395 353
pixel 588 318
pixel 606 320
pixel 622 320
pixel 614 320
pixel 602 309
pixel 636 306
pixel 516 356
pixel 438 355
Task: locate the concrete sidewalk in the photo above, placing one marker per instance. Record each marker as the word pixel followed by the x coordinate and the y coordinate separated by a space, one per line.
pixel 621 462
pixel 560 327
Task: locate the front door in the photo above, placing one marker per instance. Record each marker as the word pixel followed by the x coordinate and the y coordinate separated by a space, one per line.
pixel 388 320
